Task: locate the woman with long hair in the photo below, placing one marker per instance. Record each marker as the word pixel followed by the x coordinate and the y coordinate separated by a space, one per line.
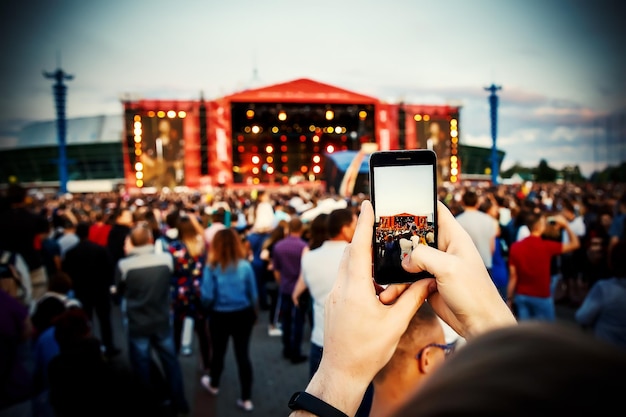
pixel 229 290
pixel 189 253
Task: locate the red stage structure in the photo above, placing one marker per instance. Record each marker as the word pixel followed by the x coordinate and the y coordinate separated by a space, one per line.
pixel 274 135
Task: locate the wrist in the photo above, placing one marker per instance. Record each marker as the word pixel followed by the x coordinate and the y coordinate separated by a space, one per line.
pixel 336 389
pixel 500 317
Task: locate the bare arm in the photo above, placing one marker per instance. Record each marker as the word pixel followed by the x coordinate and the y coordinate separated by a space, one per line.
pixel 298 290
pixel 574 242
pixel 510 290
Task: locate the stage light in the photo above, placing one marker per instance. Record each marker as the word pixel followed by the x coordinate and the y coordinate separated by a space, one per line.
pixel 275 129
pixel 256 129
pixel 236 169
pixel 426 117
pixel 304 169
pixel 137 117
pixel 316 139
pixel 454 133
pixel 285 180
pixel 330 115
pixel 137 139
pixel 250 114
pixel 139 183
pixel 139 175
pixel 256 159
pixel 338 129
pixel 256 181
pixel 150 114
pixel 282 116
pixel 330 149
pixel 417 117
pixel 137 124
pixel 269 149
pixel 255 170
pixel 302 138
pixel 137 130
pixel 362 115
pixel 453 122
pixel 316 159
pixel 269 159
pixel 317 169
pixel 453 158
pixel 138 166
pixel 270 170
pixel 453 178
pixel 454 171
pixel 312 128
pixel 138 151
pixel 182 114
pixel 283 138
pixel 160 114
pixel 241 149
pixel 285 169
pixel 283 148
pixel 171 114
pixel 247 129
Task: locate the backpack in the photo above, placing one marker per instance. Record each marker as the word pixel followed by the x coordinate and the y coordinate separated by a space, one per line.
pixel 10 277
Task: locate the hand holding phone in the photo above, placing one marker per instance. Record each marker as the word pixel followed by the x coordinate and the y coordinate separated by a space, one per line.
pixel 403 194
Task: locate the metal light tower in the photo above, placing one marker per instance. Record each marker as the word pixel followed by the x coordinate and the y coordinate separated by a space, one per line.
pixel 60 91
pixel 493 103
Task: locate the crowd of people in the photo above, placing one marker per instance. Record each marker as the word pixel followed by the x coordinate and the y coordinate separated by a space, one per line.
pixel 216 260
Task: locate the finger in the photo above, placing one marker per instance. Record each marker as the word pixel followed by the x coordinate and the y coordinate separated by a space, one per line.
pixel 390 294
pixel 410 301
pixel 425 258
pixel 357 257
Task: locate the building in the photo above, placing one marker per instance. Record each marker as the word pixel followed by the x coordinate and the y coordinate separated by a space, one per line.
pixel 279 134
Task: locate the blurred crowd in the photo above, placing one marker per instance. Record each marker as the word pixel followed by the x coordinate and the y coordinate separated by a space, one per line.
pixel 205 265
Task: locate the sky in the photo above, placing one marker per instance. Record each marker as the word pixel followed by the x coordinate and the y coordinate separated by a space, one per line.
pixel 560 63
pixel 392 184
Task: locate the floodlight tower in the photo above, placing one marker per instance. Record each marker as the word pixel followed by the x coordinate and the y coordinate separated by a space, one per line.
pixel 493 104
pixel 60 91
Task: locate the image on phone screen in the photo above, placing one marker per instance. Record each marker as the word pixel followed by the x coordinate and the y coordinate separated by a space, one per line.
pixel 405 216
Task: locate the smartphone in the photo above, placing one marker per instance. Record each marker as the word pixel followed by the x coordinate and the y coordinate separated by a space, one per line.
pixel 403 192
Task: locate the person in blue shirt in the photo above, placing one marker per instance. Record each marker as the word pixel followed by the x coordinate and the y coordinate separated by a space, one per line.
pixel 229 290
pixel 603 310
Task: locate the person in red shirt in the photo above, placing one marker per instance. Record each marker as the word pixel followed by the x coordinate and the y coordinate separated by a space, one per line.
pixel 99 230
pixel 529 269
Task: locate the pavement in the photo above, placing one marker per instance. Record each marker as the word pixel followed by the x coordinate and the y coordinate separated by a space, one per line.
pixel 275 379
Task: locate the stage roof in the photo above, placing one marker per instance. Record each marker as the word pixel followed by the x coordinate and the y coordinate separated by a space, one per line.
pixel 302 90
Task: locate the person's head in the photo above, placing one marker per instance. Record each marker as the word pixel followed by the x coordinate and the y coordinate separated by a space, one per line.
pixel 318 231
pixel 60 282
pixel 141 235
pixel 71 326
pixel 536 222
pixel 295 226
pixel 434 129
pixel 186 229
pixel 568 210
pixel 124 217
pixel 470 198
pixel 164 126
pixel 219 215
pixel 171 219
pixel 226 249
pixel 341 224
pixel 277 233
pixel 82 230
pixel 419 353
pixel 518 370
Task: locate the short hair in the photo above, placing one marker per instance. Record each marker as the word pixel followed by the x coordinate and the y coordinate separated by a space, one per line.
pixel 60 282
pixel 532 218
pixel 219 215
pixel 141 235
pixel 470 198
pixel 420 328
pixel 337 219
pixel 295 225
pixel 82 230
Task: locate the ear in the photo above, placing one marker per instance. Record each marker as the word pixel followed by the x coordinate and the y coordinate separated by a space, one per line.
pixel 427 363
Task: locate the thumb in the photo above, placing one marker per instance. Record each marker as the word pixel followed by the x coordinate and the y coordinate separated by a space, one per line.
pixel 410 301
pixel 426 258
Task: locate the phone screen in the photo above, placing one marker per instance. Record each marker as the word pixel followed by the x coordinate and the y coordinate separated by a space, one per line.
pixel 403 194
